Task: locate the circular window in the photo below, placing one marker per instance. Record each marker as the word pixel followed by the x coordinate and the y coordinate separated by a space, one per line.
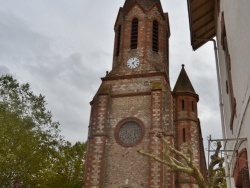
pixel 129 132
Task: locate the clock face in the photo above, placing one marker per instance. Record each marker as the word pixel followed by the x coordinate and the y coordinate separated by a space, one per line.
pixel 133 62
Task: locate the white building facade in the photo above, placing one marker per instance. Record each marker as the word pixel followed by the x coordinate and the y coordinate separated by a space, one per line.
pixel 229 22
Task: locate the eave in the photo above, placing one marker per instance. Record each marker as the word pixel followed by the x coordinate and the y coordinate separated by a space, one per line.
pixel 201 21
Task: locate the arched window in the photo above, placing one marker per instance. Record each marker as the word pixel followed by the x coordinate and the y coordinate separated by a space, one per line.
pixel 155 36
pixel 118 40
pixel 134 34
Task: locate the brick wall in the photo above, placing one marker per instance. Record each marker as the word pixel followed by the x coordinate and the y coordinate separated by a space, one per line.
pixel 96 142
pixel 187 132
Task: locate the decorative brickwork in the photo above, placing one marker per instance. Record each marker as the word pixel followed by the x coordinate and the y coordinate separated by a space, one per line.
pixel 155 146
pixel 96 142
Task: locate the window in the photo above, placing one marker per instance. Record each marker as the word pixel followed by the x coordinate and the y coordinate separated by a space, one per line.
pixel 184 135
pixel 183 105
pixel 155 36
pixel 134 34
pixel 193 106
pixel 129 132
pixel 118 40
pixel 227 87
pixel 229 83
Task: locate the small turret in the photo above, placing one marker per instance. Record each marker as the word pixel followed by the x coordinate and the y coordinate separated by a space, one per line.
pixel 186 122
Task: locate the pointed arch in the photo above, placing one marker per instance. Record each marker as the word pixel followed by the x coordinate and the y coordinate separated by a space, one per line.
pixel 134 34
pixel 155 33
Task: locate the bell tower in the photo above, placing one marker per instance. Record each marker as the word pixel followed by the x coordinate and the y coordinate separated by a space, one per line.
pixel 141 38
pixel 133 103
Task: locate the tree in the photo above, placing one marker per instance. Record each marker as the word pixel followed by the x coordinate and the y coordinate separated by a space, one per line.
pixel 68 169
pixel 19 156
pixel 180 162
pixel 32 151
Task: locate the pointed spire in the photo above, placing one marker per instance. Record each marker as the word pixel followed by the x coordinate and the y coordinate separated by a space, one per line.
pixel 146 4
pixel 183 83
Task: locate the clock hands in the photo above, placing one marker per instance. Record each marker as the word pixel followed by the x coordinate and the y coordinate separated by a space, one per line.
pixel 133 62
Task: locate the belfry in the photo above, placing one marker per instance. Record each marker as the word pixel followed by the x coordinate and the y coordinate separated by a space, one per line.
pixel 135 101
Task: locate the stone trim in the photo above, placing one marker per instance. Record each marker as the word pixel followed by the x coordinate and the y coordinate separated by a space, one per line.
pixel 122 77
pixel 156 176
pixel 130 94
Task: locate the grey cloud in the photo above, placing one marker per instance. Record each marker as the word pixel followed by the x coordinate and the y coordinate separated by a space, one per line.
pixel 64 52
pixel 4 70
pixel 18 39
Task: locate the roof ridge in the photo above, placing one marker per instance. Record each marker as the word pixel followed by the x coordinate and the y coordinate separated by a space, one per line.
pixel 146 4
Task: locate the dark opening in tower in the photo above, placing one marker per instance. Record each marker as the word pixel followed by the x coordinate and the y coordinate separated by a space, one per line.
pixel 155 36
pixel 118 40
pixel 134 34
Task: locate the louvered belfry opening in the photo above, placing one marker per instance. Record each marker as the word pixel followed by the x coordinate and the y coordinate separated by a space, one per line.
pixel 118 41
pixel 134 34
pixel 155 36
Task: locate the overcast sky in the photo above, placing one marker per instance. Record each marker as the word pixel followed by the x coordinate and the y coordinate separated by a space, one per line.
pixel 63 48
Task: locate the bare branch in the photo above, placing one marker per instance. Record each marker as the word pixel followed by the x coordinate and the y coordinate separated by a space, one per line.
pixel 183 162
pixel 171 149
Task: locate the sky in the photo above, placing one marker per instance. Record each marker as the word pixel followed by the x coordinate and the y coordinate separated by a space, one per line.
pixel 63 48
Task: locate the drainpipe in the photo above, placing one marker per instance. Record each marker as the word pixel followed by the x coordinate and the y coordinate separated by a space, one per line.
pixel 220 93
pixel 219 84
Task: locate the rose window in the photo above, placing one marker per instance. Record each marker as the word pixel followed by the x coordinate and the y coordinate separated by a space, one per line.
pixel 129 133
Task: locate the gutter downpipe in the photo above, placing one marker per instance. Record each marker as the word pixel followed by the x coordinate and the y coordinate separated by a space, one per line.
pixel 219 83
pixel 220 95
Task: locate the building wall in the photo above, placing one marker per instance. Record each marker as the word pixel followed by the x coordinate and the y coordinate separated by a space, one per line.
pixel 123 165
pixel 147 99
pixel 236 16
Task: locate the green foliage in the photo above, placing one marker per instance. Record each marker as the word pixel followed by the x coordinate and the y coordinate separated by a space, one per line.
pixel 32 152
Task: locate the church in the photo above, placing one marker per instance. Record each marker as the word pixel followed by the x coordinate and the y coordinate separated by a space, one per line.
pixel 135 101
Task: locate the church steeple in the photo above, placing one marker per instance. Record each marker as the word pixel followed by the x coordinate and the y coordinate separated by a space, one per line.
pixel 141 35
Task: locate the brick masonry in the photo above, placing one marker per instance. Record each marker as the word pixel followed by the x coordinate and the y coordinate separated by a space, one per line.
pixel 187 132
pixel 96 142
